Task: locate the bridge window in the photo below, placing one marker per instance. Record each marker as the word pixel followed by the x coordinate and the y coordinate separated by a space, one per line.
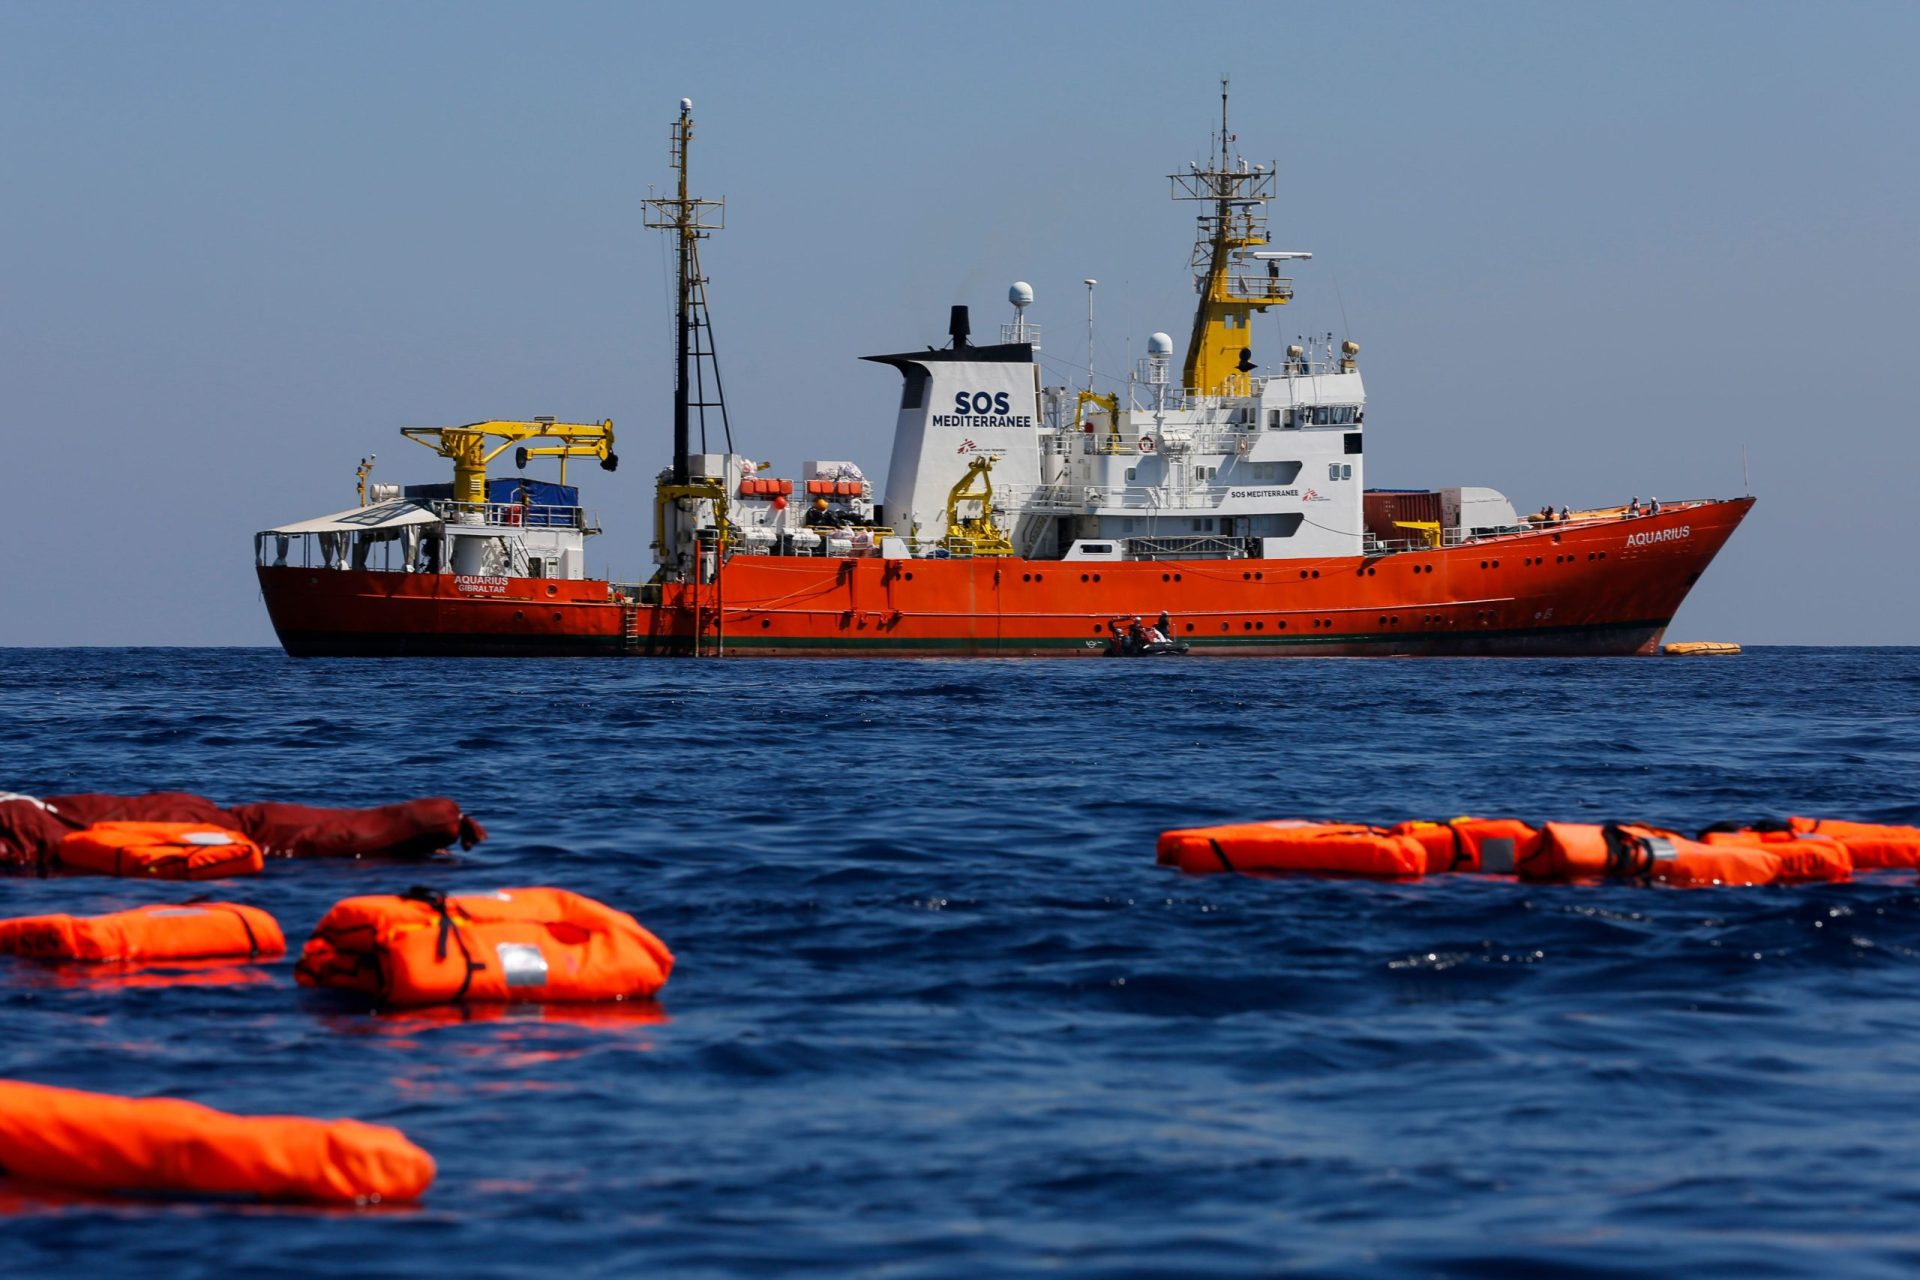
pixel 1352 443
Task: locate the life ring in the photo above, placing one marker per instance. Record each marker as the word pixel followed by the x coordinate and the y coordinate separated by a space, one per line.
pixel 1146 444
pixel 1243 446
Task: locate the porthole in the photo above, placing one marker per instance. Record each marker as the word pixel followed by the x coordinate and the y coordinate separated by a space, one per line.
pixel 1259 577
pixel 1225 626
pixel 518 616
pixel 765 623
pixel 1026 577
pixel 552 590
pixel 1259 626
pixel 1166 577
pixel 1316 573
pixel 1178 578
pixel 1085 578
pixel 1096 577
pixel 1189 626
pixel 909 576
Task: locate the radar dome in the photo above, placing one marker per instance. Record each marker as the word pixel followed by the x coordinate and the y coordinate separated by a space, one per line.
pixel 1159 345
pixel 686 104
pixel 1021 294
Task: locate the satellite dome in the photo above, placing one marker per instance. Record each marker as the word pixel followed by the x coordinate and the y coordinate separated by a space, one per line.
pixel 1159 345
pixel 686 104
pixel 1021 294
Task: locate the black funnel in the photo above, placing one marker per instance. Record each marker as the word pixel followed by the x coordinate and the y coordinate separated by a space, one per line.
pixel 959 328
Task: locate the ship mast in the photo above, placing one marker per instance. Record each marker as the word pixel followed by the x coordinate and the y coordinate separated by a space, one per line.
pixel 691 220
pixel 1219 353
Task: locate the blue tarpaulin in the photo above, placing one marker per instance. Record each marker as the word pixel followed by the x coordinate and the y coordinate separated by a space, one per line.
pixel 506 489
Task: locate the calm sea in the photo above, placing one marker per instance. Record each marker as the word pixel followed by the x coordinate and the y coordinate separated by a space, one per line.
pixel 938 1014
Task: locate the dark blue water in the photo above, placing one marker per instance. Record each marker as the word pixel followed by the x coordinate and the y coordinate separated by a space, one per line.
pixel 938 1014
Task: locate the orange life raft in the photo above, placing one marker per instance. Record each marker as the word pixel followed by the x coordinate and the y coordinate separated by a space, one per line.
pixel 1626 851
pixel 189 931
pixel 157 851
pixel 96 1142
pixel 1293 844
pixel 423 947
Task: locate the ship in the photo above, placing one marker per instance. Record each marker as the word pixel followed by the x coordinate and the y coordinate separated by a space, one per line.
pixel 1211 508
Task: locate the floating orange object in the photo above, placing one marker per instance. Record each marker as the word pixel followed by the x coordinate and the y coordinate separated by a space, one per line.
pixel 1293 844
pixel 157 851
pixel 1472 844
pixel 1870 844
pixel 189 931
pixel 1625 851
pixel 423 947
pixel 96 1142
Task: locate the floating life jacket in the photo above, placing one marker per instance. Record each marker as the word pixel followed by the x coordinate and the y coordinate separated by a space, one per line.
pixel 1625 851
pixel 1870 844
pixel 156 851
pixel 1292 844
pixel 423 947
pixel 1473 844
pixel 410 829
pixel 96 1142
pixel 189 931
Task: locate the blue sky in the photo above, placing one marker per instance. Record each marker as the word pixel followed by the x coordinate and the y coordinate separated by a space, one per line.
pixel 1588 251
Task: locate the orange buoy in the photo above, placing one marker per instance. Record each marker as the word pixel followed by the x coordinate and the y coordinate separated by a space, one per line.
pixel 423 947
pixel 97 1142
pixel 157 851
pixel 1472 844
pixel 1293 844
pixel 189 931
pixel 1627 851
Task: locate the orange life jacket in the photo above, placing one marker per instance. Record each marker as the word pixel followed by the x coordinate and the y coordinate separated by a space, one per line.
pixel 95 1142
pixel 1871 844
pixel 189 931
pixel 157 851
pixel 423 947
pixel 1292 844
pixel 1472 844
pixel 1626 851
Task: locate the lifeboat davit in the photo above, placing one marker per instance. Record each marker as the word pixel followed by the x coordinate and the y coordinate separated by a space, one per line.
pixel 97 1142
pixel 1570 851
pixel 1293 844
pixel 423 947
pixel 156 851
pixel 189 931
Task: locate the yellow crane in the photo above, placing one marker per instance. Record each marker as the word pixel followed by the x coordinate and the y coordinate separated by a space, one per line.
pixel 979 534
pixel 467 447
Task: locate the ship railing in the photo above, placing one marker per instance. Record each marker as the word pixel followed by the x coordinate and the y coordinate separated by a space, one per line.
pixel 1483 534
pixel 413 548
pixel 515 515
pixel 1260 287
pixel 1197 547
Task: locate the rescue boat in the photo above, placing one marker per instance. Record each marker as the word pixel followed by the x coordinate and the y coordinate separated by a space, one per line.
pixel 1015 518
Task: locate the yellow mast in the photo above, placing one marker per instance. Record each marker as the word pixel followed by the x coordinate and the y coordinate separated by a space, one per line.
pixel 1220 351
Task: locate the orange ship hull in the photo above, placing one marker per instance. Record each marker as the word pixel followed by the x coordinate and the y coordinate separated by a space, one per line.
pixel 1587 589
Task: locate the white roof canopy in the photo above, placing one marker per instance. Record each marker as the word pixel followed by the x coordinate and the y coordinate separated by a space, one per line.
pixel 384 515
